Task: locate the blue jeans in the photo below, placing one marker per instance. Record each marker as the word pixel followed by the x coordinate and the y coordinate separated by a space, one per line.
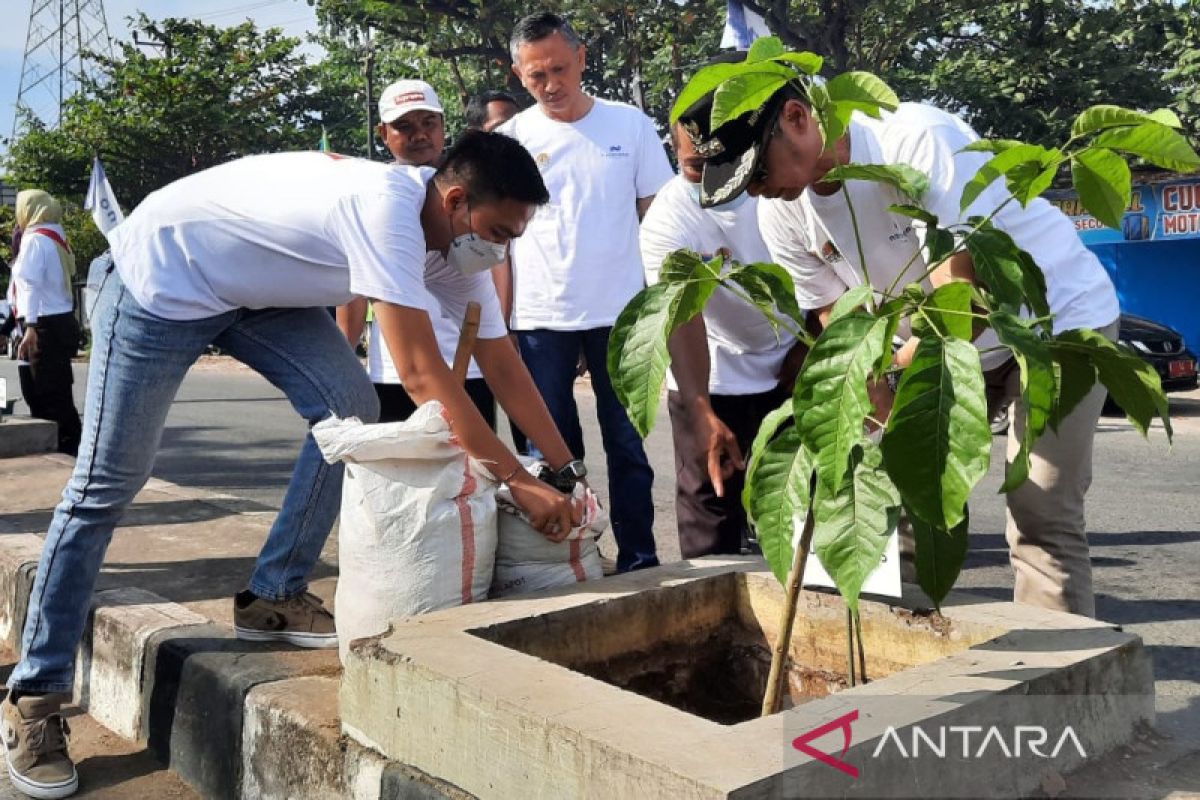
pixel 552 357
pixel 138 362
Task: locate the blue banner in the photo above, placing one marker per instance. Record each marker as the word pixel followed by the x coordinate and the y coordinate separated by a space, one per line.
pixel 1157 212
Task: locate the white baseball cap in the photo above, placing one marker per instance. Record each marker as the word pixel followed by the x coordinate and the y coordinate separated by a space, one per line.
pixel 405 96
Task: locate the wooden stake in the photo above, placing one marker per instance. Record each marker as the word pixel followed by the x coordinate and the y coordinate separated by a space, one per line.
pixel 466 342
pixel 779 653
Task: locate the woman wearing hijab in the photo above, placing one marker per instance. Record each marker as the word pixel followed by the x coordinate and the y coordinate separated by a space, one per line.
pixel 42 275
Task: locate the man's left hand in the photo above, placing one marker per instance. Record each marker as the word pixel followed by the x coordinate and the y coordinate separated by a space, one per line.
pixel 27 350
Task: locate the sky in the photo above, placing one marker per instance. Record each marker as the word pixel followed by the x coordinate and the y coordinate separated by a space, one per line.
pixel 296 18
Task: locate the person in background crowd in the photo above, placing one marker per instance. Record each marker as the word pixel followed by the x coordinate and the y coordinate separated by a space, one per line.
pixel 41 292
pixel 489 110
pixel 579 265
pixel 412 126
pixel 729 368
pixel 778 152
pixel 247 255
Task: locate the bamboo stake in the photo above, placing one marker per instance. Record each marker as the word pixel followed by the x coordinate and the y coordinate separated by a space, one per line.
pixel 779 653
pixel 466 342
pixel 862 655
pixel 850 647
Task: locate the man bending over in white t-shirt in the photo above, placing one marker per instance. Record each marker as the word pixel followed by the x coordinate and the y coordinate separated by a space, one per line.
pixel 729 367
pixel 246 256
pixel 778 152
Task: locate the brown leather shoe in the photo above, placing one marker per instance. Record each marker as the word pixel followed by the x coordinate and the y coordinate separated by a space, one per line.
pixel 35 743
pixel 302 620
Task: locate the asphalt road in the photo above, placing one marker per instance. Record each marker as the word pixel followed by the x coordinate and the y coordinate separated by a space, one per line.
pixel 230 431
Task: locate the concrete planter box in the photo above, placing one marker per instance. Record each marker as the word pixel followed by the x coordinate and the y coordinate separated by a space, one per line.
pixel 646 685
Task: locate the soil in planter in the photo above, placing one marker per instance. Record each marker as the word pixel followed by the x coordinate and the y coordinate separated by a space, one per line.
pixel 722 677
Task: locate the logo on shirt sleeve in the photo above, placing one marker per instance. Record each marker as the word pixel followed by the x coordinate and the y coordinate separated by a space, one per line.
pixel 831 254
pixel 542 160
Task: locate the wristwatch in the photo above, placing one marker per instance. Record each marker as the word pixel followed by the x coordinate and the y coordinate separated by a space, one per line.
pixel 570 474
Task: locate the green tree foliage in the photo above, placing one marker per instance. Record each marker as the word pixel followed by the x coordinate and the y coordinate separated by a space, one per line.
pixel 1024 68
pixel 637 52
pixel 211 95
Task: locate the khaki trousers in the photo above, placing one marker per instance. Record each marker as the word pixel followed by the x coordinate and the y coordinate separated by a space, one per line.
pixel 1046 528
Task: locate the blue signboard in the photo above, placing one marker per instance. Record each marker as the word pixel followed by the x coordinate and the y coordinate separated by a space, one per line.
pixel 1157 212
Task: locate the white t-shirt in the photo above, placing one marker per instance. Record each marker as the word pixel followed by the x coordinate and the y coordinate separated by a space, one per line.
pixel 291 230
pixel 812 236
pixel 577 265
pixel 745 354
pixel 380 366
pixel 38 283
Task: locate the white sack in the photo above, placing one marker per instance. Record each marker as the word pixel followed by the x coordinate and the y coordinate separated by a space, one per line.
pixel 418 521
pixel 526 561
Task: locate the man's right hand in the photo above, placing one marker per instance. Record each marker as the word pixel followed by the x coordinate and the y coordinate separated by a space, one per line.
pixel 723 457
pixel 549 510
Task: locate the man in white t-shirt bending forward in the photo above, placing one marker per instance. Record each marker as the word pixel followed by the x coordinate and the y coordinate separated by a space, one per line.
pixel 578 265
pixel 246 256
pixel 729 367
pixel 778 152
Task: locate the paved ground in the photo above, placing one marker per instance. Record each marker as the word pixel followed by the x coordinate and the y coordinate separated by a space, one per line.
pixel 231 432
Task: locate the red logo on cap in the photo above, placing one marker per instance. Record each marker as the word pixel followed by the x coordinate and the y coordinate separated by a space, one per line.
pixel 408 97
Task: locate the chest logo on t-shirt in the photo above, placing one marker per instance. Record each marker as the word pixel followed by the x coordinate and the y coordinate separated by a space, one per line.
pixel 899 234
pixel 542 160
pixel 831 254
pixel 616 151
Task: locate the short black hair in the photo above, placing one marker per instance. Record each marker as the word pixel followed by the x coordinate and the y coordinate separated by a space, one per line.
pixel 476 114
pixel 536 27
pixel 491 167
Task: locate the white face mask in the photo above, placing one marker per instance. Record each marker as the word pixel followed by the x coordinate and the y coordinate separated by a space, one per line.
pixel 732 205
pixel 470 253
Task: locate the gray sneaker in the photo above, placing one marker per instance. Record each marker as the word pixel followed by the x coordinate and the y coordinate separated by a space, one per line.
pixel 35 743
pixel 302 620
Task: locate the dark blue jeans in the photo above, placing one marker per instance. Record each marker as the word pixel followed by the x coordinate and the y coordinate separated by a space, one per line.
pixel 552 357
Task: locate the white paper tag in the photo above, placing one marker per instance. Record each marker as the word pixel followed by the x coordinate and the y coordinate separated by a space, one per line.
pixel 884 580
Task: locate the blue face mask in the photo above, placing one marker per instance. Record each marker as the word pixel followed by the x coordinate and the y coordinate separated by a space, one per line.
pixel 732 205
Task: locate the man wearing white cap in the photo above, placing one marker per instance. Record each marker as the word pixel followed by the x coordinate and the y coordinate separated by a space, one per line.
pixel 412 126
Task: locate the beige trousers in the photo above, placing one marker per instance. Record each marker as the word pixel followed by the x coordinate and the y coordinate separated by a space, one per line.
pixel 1046 529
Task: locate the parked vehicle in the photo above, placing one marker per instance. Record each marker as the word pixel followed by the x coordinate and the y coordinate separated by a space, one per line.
pixel 1161 347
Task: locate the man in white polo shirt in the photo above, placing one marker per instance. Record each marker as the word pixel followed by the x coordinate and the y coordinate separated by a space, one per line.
pixel 412 126
pixel 578 265
pixel 778 152
pixel 729 368
pixel 246 256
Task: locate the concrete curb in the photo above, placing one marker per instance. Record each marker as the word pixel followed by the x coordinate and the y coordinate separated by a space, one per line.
pixel 25 436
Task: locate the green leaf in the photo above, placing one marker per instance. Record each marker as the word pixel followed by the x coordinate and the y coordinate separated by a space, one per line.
pixel 782 289
pixel 764 48
pixel 856 298
pixel 1104 183
pixel 1037 387
pixel 912 182
pixel 915 212
pixel 852 523
pixel 638 357
pixel 744 93
pixel 778 498
pixel 757 291
pixel 766 432
pixel 991 146
pixel 704 81
pixel 948 309
pixel 1002 164
pixel 938 441
pixel 939 555
pixel 831 400
pixel 1007 271
pixel 939 243
pixel 684 265
pixel 1154 142
pixel 1133 383
pixel 808 63
pixel 1027 181
pixel 1101 117
pixel 1075 377
pixel 861 91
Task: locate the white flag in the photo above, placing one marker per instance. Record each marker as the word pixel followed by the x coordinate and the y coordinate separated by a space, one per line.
pixel 101 201
pixel 742 26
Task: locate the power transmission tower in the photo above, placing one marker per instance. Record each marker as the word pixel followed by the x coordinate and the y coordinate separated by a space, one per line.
pixel 60 33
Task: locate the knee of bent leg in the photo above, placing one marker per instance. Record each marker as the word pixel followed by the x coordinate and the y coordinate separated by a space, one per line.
pixel 359 401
